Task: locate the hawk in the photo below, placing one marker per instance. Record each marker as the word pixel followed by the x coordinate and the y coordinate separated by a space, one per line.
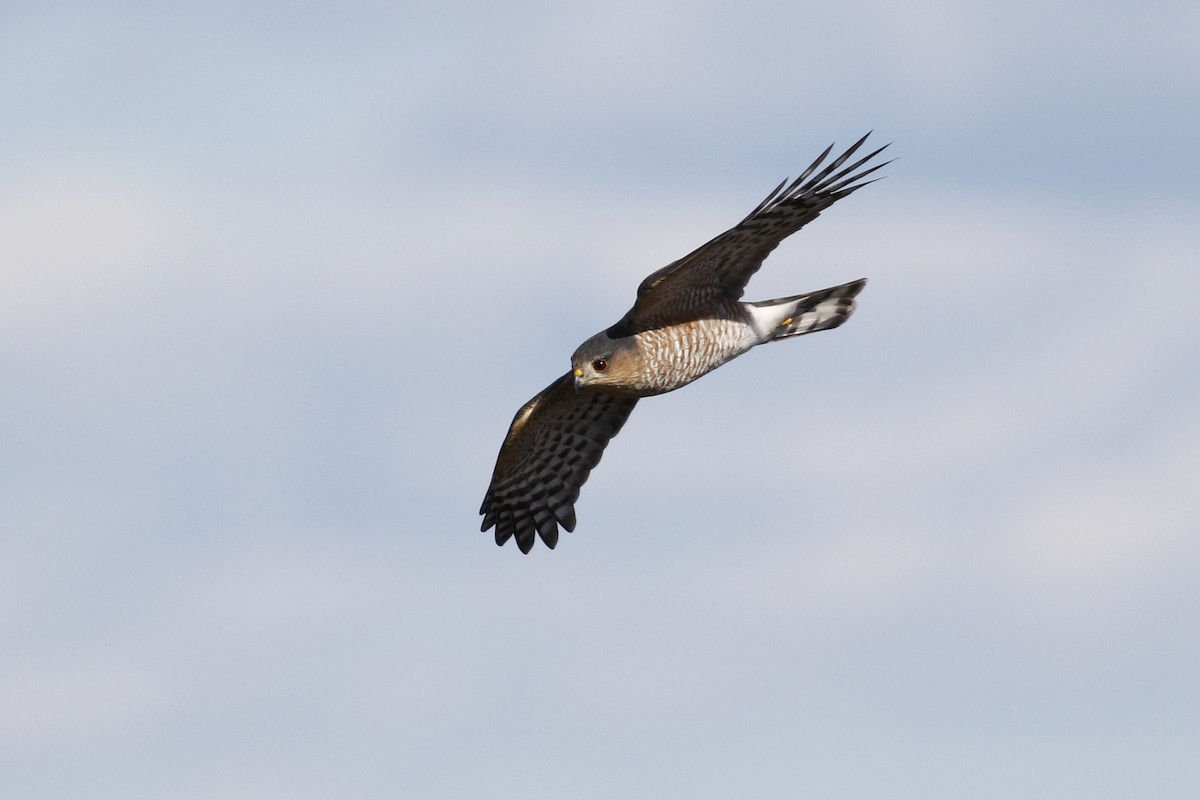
pixel 688 320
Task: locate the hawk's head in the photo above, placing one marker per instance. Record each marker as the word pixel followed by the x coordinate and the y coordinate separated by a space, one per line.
pixel 606 362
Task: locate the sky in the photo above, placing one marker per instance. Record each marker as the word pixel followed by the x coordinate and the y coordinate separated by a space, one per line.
pixel 277 276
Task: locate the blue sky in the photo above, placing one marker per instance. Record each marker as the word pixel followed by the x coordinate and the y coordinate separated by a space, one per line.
pixel 278 275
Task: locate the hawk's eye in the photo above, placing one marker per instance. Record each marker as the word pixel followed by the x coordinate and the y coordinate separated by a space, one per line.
pixel 599 365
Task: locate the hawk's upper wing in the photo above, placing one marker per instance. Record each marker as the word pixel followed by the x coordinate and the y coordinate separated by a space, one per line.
pixel 553 443
pixel 721 268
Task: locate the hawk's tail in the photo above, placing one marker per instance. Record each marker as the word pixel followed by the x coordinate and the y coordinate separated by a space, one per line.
pixel 805 313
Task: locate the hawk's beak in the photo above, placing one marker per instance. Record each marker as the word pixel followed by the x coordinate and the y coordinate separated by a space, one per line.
pixel 578 378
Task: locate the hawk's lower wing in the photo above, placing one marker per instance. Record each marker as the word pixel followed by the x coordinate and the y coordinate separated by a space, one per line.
pixel 554 442
pixel 722 267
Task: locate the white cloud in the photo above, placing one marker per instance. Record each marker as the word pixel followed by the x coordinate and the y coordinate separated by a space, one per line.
pixel 68 238
pixel 280 592
pixel 55 700
pixel 848 575
pixel 1105 523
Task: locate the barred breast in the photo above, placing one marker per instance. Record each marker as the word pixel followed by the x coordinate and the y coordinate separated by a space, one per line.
pixel 675 355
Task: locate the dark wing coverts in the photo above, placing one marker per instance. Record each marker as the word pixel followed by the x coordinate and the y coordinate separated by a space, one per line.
pixel 554 442
pixel 721 268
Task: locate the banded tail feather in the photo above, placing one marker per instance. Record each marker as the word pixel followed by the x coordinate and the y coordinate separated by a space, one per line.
pixel 784 317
